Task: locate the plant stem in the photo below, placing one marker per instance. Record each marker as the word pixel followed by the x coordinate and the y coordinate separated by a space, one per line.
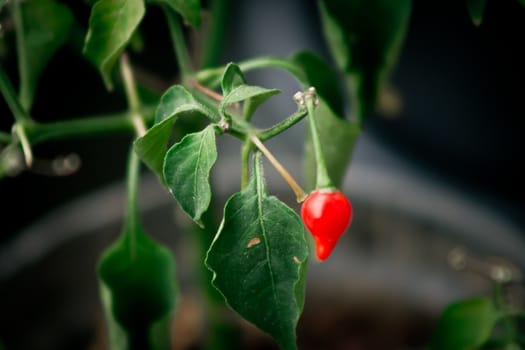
pixel 86 126
pixel 19 113
pixel 132 182
pixel 299 192
pixel 322 178
pixel 132 95
pixel 212 76
pixel 245 162
pixel 179 45
pixel 283 125
pixel 215 95
pixel 24 96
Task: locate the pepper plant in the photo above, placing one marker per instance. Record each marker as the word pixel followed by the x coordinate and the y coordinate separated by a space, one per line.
pixel 259 253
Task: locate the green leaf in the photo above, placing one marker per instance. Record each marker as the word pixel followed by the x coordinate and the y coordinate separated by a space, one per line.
pixel 231 78
pixel 464 325
pixel 253 95
pixel 234 89
pixel 176 102
pixel 138 289
pixel 111 26
pixel 522 2
pixel 338 137
pixel 41 29
pixel 190 10
pixel 258 259
pixel 323 77
pixel 187 167
pixel 475 10
pixel 365 39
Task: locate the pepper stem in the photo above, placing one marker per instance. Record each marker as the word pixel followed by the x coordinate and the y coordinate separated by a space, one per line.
pixel 310 99
pixel 300 194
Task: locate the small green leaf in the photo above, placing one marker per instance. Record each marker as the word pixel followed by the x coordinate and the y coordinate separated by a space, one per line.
pixel 258 259
pixel 187 167
pixel 111 26
pixel 464 325
pixel 44 28
pixel 190 10
pixel 234 89
pixel 475 10
pixel 253 95
pixel 365 39
pixel 522 2
pixel 176 102
pixel 231 78
pixel 323 77
pixel 138 289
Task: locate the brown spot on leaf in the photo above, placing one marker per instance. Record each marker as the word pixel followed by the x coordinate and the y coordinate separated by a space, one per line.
pixel 253 241
pixel 296 260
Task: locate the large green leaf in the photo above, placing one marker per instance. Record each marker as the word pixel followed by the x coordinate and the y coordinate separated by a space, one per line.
pixel 111 26
pixel 323 77
pixel 365 37
pixel 138 290
pixel 338 135
pixel 190 10
pixel 258 259
pixel 176 102
pixel 43 27
pixel 187 167
pixel 475 10
pixel 464 325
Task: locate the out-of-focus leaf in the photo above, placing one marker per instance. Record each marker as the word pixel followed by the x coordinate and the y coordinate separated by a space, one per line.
pixel 138 289
pixel 365 37
pixel 44 28
pixel 323 77
pixel 464 325
pixel 190 10
pixel 337 134
pixel 259 259
pixel 111 26
pixel 475 10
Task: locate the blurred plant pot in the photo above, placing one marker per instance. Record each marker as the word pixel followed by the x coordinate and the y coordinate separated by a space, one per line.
pixel 412 248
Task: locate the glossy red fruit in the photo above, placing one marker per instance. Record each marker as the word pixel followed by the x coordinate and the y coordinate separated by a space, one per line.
pixel 327 215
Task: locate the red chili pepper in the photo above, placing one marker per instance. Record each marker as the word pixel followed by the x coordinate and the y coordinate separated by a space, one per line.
pixel 327 215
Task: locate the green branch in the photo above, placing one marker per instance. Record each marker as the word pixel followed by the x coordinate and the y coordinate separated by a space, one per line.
pixel 19 113
pixel 179 45
pixel 87 126
pixel 212 77
pixel 22 56
pixel 323 180
pixel 132 95
pixel 283 125
pixel 132 181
